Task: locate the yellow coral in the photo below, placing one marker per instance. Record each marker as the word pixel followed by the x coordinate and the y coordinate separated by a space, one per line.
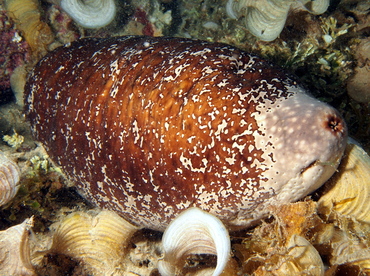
pixel 14 140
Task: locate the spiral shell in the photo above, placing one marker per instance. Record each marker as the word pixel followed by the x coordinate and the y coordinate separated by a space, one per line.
pixel 348 191
pixel 27 15
pixel 266 19
pixel 9 179
pixel 300 258
pixel 90 13
pixel 15 250
pixel 194 232
pixel 349 249
pixel 98 240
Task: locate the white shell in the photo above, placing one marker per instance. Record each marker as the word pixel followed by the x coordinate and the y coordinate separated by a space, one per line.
pixel 350 248
pixel 90 13
pixel 348 191
pixel 265 19
pixel 306 259
pixel 297 257
pixel 194 232
pixel 314 6
pixel 9 179
pixel 268 21
pixel 98 240
pixel 15 250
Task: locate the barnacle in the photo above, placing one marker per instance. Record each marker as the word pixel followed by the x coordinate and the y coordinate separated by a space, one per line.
pixel 297 257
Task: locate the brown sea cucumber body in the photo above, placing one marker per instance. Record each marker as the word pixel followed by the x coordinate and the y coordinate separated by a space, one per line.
pixel 151 126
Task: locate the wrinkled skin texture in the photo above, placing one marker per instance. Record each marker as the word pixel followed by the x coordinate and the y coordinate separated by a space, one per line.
pixel 149 127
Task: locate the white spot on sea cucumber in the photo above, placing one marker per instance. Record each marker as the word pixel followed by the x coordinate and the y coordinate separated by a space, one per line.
pixel 222 83
pixel 239 147
pixel 244 170
pixel 135 130
pixel 239 111
pixel 200 53
pixel 221 128
pixel 208 70
pixel 191 138
pixel 186 162
pixel 59 69
pixel 231 160
pixel 114 92
pixel 166 126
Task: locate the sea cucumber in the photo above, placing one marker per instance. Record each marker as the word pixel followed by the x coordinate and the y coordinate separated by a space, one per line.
pixel 149 127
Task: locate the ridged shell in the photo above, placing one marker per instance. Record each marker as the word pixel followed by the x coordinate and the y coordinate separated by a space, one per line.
pixel 15 250
pixel 194 232
pixel 98 240
pixel 27 15
pixel 301 258
pixel 90 13
pixel 267 22
pixel 315 6
pixel 266 18
pixel 9 179
pixel 350 249
pixel 348 191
